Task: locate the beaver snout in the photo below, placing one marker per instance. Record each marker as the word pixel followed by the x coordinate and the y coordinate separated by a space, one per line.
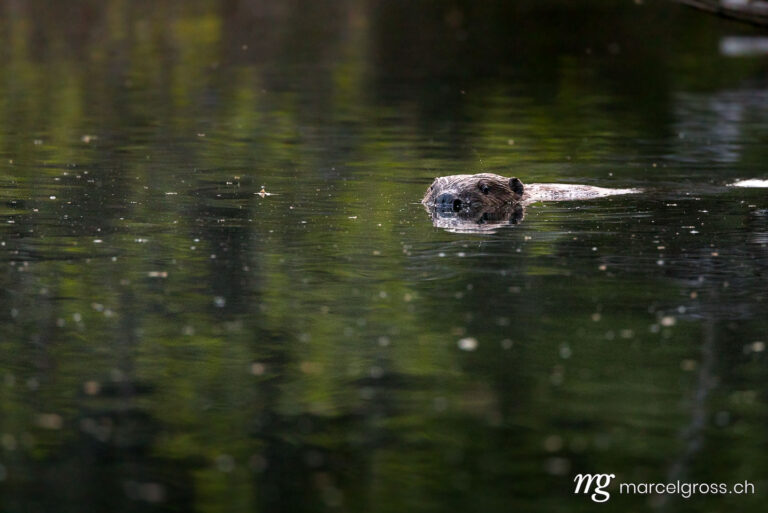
pixel 448 201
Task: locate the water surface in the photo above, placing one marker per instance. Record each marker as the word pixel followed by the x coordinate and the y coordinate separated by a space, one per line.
pixel 174 340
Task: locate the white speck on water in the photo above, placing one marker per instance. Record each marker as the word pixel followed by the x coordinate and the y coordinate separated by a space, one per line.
pixel 688 365
pixel 565 351
pixel 8 442
pixel 557 466
pixel 77 317
pixel 225 463
pixel 553 443
pixel 755 347
pixel 659 262
pixel 668 321
pixel 468 344
pixel 49 421
pixel 52 197
pixel 91 387
pixel 97 241
pixel 157 274
pixel 219 302
pixel 722 418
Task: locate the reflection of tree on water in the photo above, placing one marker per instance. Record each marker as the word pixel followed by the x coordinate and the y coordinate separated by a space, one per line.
pixel 718 127
pixel 105 452
pixel 718 306
pixel 693 435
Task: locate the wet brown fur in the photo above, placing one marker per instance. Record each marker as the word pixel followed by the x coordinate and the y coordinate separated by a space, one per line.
pixel 481 190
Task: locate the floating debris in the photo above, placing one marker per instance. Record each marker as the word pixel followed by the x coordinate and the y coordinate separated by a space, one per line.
pixel 743 46
pixel 668 321
pixel 468 344
pixel 157 274
pixel 49 421
pixel 755 347
pixel 750 183
pixel 91 387
pixel 263 193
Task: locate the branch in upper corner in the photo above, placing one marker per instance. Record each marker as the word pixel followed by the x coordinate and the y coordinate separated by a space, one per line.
pixel 748 11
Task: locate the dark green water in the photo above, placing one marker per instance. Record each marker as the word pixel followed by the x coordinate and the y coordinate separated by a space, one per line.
pixel 173 341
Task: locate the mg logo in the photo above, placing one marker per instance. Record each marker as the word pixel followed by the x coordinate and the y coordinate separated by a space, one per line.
pixel 601 481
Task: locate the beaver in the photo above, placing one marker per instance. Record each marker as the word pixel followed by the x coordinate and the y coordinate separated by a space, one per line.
pixel 483 201
pixel 484 190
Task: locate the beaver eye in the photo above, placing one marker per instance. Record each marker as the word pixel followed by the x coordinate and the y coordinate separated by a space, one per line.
pixel 484 188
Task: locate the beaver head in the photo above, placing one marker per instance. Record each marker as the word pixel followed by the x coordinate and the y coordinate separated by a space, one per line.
pixel 472 192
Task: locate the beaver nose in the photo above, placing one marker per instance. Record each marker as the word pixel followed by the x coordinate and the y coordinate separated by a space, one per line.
pixel 447 200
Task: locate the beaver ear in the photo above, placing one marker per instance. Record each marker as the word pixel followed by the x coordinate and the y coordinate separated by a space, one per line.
pixel 516 185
